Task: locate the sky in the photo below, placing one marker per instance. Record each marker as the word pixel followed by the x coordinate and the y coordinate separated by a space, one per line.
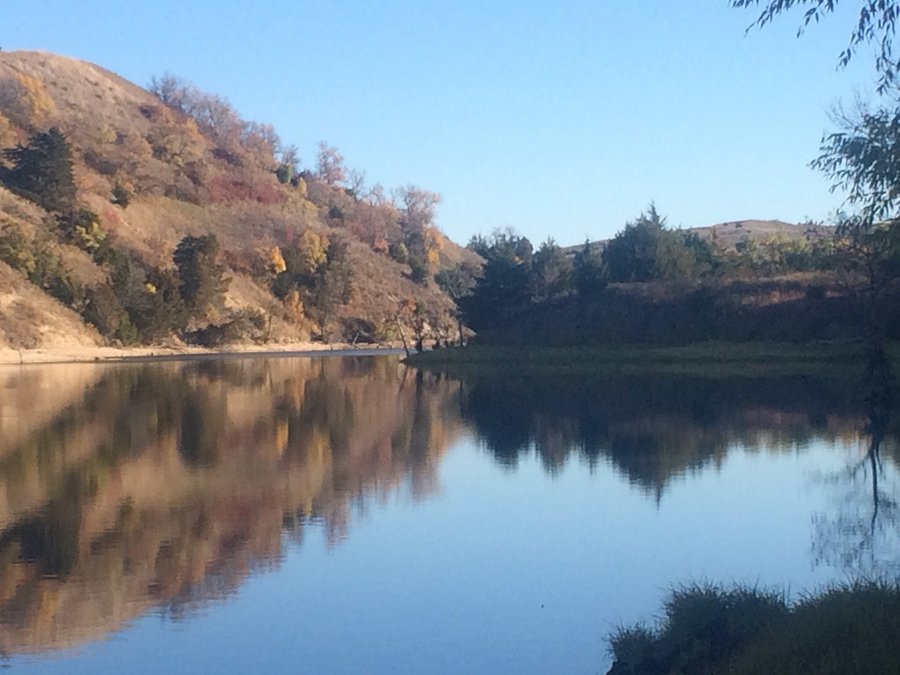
pixel 562 119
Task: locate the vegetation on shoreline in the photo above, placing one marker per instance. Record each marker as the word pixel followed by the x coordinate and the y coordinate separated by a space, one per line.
pixel 706 359
pixel 712 629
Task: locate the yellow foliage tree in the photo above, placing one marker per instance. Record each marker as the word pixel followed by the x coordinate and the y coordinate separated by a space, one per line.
pixel 274 260
pixel 38 105
pixel 312 252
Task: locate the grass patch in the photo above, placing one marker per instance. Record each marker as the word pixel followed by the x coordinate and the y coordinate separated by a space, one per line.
pixel 707 358
pixel 742 630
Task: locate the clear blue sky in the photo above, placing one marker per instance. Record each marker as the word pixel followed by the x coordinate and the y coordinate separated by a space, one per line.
pixel 559 119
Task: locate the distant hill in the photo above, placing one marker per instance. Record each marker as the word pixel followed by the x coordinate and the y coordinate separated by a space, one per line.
pixel 150 173
pixel 729 235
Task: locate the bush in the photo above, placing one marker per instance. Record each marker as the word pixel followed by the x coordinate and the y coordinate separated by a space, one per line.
pixel 121 196
pixel 104 311
pixel 709 629
pixel 16 251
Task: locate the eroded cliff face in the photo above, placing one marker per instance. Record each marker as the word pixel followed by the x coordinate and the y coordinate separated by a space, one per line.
pixel 140 486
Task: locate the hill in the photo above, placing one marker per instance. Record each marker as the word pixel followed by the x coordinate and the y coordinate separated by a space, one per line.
pixel 297 254
pixel 733 234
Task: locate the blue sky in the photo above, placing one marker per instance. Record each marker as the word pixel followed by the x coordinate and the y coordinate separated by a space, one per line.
pixel 560 119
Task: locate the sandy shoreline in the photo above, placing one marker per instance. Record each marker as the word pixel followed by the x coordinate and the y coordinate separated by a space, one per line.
pixel 79 354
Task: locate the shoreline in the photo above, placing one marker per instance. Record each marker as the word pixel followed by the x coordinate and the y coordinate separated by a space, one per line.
pixel 708 359
pixel 62 355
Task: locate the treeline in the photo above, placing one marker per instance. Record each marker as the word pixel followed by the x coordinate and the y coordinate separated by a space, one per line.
pixel 516 279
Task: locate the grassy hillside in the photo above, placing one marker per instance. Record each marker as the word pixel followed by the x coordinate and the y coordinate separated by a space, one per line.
pixel 148 173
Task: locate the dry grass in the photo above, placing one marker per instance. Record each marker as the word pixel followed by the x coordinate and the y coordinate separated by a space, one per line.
pixel 123 135
pixel 30 319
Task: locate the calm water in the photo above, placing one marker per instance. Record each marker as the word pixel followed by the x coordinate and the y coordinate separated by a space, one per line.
pixel 349 515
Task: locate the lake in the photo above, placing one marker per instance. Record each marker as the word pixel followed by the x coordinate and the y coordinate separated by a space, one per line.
pixel 352 515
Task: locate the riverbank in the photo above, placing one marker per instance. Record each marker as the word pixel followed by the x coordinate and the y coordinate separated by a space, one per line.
pixel 79 354
pixel 704 358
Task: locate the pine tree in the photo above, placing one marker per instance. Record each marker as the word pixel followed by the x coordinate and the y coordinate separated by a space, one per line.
pixel 42 171
pixel 203 282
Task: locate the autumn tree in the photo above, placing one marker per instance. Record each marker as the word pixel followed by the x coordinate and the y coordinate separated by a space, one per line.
pixel 288 165
pixel 330 167
pixel 420 238
pixel 333 285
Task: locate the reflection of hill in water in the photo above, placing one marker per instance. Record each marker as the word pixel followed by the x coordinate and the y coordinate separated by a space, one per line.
pixel 652 429
pixel 166 484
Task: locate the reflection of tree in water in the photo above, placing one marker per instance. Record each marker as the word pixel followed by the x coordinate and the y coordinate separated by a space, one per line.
pixel 165 485
pixel 863 535
pixel 652 429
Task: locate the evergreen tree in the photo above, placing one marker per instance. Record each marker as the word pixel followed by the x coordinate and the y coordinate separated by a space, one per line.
pixel 42 171
pixel 551 272
pixel 590 272
pixel 203 280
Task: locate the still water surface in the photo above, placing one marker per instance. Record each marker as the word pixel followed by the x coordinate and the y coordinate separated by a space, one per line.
pixel 350 515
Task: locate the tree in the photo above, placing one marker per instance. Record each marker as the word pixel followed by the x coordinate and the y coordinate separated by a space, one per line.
pixel 457 282
pixel 862 158
pixel 417 226
pixel 551 272
pixel 203 281
pixel 504 282
pixel 42 171
pixel 334 283
pixel 632 253
pixel 330 165
pixel 288 164
pixel 646 251
pixel 590 273
pixel 876 24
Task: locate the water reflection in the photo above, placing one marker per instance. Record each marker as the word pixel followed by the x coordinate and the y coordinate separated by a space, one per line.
pixel 655 429
pixel 861 535
pixel 129 488
pixel 165 485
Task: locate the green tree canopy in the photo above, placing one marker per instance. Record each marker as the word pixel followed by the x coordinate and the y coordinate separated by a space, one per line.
pixel 632 253
pixel 646 251
pixel 42 171
pixel 504 283
pixel 590 273
pixel 551 272
pixel 203 281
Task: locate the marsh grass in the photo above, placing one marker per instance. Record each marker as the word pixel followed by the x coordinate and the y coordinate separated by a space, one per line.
pixel 853 628
pixel 708 359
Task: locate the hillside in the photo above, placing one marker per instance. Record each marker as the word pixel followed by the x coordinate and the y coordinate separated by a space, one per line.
pixel 300 254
